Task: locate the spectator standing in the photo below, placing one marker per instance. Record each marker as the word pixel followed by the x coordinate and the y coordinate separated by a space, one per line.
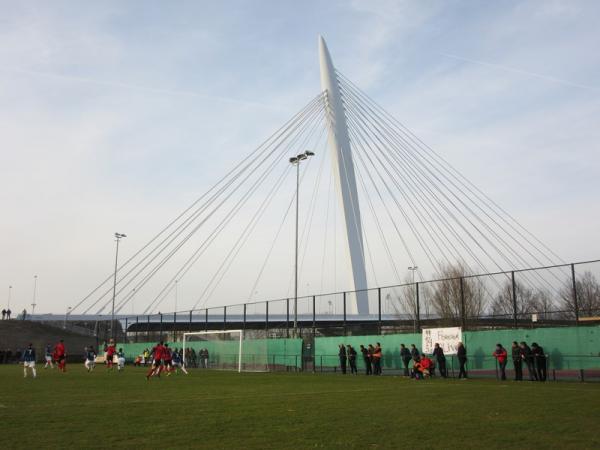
pixel 351 353
pixel 342 357
pixel 517 361
pixel 3 314
pixel 405 355
pixel 540 361
pixel 461 354
pixel 8 313
pixel 29 361
pixel 377 355
pixel 527 356
pixel 414 352
pixel 366 359
pixel 438 353
pixel 501 356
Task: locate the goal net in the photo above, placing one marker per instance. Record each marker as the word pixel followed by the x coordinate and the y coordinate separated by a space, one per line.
pixel 224 350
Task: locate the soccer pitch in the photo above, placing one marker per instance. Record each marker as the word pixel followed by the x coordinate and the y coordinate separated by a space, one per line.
pixel 227 410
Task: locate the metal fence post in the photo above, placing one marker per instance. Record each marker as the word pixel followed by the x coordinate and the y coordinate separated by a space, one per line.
pixel 418 308
pixel 314 326
pixel 161 327
pixel 244 320
pixel 148 327
pixel 126 340
pixel 267 318
pixel 174 326
pixel 206 319
pixel 463 313
pixel 379 308
pixel 224 317
pixel 190 323
pixel 514 299
pixel 575 303
pixel 137 321
pixel 287 317
pixel 344 301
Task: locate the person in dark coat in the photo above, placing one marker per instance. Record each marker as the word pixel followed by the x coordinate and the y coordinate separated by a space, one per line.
pixel 405 355
pixel 539 359
pixel 438 353
pixel 367 359
pixel 461 354
pixel 342 356
pixel 527 356
pixel 517 361
pixel 352 359
pixel 414 352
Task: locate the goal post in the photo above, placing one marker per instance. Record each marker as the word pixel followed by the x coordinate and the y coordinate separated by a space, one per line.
pixel 214 349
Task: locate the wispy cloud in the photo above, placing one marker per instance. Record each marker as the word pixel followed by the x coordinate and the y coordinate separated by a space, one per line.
pixel 524 72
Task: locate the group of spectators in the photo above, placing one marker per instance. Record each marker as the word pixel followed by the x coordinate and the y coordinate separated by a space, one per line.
pixel 6 314
pixel 419 365
pixel 371 356
pixel 533 357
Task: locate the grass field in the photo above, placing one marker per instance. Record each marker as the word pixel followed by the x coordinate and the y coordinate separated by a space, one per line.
pixel 219 410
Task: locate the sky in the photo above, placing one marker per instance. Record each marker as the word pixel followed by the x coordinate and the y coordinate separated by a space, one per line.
pixel 116 115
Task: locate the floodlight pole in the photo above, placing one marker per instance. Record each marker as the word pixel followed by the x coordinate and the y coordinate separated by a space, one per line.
pixel 295 160
pixel 118 237
pixel 33 304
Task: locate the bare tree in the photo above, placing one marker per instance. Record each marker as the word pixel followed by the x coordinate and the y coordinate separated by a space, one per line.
pixel 588 296
pixel 528 300
pixel 447 298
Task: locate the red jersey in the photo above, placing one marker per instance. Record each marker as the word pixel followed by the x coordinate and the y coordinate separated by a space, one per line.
pixel 110 351
pixel 426 363
pixel 59 350
pixel 158 352
pixel 167 355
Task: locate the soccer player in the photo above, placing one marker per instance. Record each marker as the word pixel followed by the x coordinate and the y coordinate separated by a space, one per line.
pixel 48 357
pixel 29 361
pixel 177 363
pixel 110 354
pixel 157 354
pixel 60 356
pixel 167 359
pixel 90 358
pixel 120 359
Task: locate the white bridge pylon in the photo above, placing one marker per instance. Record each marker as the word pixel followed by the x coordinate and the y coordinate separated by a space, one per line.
pixel 343 168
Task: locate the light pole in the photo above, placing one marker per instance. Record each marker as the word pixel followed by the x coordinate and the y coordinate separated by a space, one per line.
pixel 296 160
pixel 413 269
pixel 9 292
pixel 34 294
pixel 118 237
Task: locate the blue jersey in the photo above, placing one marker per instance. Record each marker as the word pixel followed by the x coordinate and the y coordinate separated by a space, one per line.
pixel 176 357
pixel 29 355
pixel 90 356
pixel 48 350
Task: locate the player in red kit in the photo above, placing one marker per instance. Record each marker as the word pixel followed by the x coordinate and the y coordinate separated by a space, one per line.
pixel 60 356
pixel 157 356
pixel 110 354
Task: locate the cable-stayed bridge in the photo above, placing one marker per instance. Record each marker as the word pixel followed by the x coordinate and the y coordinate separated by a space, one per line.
pixel 381 201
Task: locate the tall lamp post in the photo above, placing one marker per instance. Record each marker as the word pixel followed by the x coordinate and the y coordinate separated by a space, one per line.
pixel 9 293
pixel 296 160
pixel 118 237
pixel 33 304
pixel 413 269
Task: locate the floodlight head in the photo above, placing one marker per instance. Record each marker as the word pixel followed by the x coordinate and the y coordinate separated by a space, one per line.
pixel 293 160
pixel 309 153
pixel 302 156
